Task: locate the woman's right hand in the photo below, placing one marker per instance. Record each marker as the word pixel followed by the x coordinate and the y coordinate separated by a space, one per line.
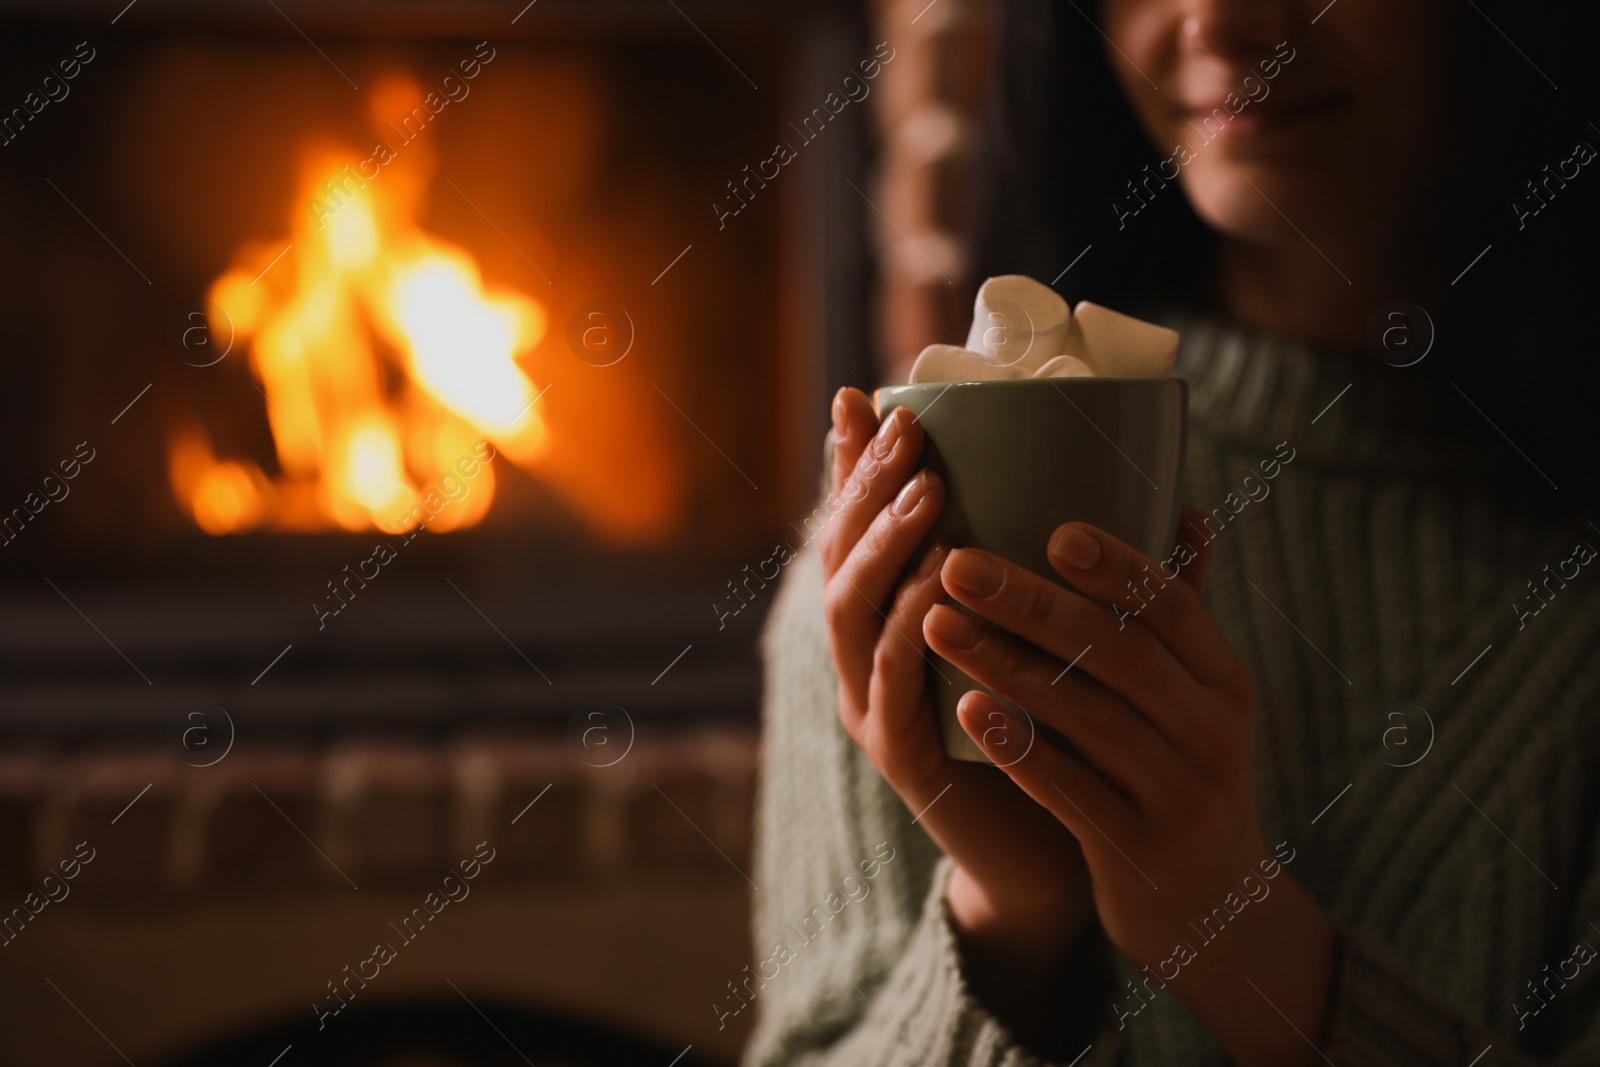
pixel 1019 895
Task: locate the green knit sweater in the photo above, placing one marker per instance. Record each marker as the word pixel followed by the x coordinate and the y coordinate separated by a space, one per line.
pixel 1427 741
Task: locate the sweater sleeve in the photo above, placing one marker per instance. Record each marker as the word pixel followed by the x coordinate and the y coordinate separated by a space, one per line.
pixel 1382 1017
pixel 857 962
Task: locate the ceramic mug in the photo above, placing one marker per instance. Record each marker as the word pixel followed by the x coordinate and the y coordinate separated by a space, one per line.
pixel 1021 457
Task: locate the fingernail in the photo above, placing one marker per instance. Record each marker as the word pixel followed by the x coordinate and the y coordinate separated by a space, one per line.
pixel 952 627
pixel 909 495
pixel 888 434
pixel 1075 548
pixel 838 415
pixel 975 574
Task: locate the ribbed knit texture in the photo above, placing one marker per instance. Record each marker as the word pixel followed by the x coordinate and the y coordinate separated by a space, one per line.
pixel 1366 582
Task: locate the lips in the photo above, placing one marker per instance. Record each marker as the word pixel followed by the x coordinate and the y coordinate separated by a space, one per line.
pixel 1272 110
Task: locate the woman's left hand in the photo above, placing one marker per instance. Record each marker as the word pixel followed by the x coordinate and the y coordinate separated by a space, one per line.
pixel 1161 790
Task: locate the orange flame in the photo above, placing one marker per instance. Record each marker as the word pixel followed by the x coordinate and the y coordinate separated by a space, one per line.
pixel 382 357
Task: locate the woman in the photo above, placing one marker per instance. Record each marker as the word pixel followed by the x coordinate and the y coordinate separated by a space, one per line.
pixel 1332 798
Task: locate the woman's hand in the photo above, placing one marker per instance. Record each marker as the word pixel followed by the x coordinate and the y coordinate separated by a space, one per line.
pixel 1019 895
pixel 1160 791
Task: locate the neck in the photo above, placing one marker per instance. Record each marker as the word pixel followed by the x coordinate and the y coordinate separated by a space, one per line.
pixel 1295 292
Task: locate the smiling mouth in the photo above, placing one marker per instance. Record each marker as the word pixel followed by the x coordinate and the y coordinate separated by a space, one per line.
pixel 1258 118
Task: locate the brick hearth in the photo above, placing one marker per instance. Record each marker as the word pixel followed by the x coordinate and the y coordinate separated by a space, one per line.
pixel 614 898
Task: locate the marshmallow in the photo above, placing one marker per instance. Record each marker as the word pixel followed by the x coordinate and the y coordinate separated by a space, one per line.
pixel 1018 321
pixel 1023 329
pixel 948 363
pixel 1064 367
pixel 1116 345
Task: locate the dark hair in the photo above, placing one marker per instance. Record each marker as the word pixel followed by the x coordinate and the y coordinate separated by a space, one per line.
pixel 1518 333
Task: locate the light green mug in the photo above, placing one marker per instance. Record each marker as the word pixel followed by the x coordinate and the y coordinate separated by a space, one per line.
pixel 1021 457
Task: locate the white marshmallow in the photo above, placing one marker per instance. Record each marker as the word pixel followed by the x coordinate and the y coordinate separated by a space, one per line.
pixel 948 363
pixel 1016 320
pixel 1116 345
pixel 1065 367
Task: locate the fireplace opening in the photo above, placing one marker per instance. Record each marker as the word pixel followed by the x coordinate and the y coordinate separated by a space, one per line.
pixel 360 290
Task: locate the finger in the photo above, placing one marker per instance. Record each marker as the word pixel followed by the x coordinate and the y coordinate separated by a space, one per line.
pixel 1126 658
pixel 1139 589
pixel 882 468
pixel 1096 814
pixel 1194 532
pixel 1111 735
pixel 900 728
pixel 858 592
pixel 854 423
pixel 874 565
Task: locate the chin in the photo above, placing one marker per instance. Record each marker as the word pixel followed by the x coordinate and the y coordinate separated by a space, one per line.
pixel 1244 203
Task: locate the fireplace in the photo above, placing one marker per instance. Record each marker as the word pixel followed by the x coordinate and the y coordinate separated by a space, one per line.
pixel 351 325
pixel 396 414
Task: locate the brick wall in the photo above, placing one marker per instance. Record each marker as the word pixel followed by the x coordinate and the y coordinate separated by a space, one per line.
pixel 927 109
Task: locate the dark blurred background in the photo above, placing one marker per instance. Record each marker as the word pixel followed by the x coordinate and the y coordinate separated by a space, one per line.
pixel 279 717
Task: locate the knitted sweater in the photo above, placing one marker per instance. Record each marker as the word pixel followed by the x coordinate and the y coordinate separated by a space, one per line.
pixel 1426 739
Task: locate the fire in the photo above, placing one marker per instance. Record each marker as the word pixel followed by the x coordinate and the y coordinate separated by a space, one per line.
pixel 382 359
